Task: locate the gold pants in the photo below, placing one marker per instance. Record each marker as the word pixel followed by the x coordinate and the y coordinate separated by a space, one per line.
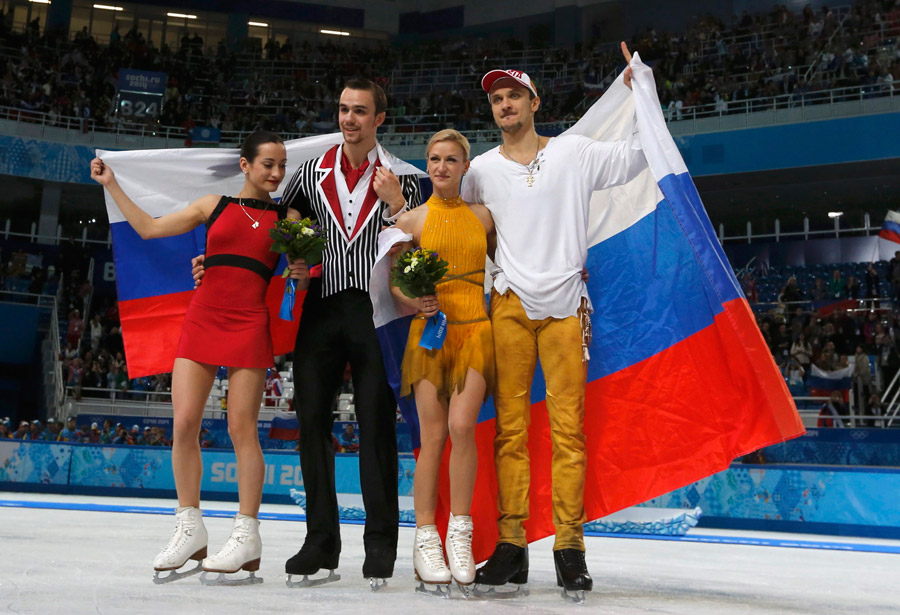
pixel 518 342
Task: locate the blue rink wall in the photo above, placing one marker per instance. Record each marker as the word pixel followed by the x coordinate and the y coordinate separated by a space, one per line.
pixel 853 501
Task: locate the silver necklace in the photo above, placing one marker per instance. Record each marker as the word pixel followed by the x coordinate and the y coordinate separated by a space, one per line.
pixel 255 222
pixel 532 167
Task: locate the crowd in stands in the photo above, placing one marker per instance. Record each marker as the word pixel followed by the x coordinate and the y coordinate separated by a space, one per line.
pixel 832 323
pixel 55 431
pixel 711 63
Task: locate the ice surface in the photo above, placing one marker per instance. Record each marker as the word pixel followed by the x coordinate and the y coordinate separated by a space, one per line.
pixel 65 561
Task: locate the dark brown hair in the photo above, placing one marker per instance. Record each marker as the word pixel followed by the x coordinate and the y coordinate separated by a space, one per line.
pixel 250 147
pixel 370 86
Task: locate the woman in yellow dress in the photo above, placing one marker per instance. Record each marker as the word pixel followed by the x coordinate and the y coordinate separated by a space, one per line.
pixel 449 383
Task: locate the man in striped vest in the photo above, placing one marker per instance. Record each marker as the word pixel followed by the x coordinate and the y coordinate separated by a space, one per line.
pixel 353 192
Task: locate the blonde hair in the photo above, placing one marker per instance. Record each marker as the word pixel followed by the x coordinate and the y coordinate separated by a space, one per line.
pixel 448 134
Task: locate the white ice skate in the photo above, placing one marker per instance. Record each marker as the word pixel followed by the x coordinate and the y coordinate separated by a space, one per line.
pixel 459 552
pixel 428 561
pixel 187 543
pixel 241 551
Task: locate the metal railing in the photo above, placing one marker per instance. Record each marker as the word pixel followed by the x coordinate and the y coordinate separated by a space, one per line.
pixel 867 229
pixel 90 400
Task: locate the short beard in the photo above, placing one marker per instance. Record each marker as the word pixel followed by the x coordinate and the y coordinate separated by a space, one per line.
pixel 512 128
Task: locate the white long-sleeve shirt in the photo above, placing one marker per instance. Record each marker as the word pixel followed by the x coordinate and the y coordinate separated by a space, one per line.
pixel 542 229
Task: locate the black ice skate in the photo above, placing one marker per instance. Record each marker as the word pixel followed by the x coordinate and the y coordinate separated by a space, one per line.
pixel 508 565
pixel 572 574
pixel 378 566
pixel 309 560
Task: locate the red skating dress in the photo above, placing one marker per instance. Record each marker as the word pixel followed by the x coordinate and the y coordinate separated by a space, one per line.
pixel 227 321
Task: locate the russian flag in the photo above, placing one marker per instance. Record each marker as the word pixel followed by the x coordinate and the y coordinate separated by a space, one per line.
pixel 890 229
pixel 284 426
pixel 680 381
pixel 822 383
pixel 153 277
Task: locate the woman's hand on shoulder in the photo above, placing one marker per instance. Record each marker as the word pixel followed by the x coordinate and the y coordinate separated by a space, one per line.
pixel 293 214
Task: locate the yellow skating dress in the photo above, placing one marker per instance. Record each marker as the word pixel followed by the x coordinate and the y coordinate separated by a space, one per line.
pixel 457 235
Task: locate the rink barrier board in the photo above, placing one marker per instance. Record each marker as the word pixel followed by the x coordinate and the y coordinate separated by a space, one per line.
pixel 852 501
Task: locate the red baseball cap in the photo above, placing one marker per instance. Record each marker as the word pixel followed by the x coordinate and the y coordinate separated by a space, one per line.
pixel 487 82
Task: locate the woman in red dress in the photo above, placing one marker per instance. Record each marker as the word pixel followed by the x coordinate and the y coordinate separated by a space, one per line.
pixel 227 323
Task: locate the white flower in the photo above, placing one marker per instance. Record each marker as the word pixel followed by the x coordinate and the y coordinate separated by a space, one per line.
pixel 308 232
pixel 406 269
pixel 414 262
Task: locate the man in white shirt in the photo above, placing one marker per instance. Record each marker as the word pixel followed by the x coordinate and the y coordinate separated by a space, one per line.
pixel 538 190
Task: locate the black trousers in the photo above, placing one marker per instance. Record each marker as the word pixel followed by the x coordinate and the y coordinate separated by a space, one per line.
pixel 333 331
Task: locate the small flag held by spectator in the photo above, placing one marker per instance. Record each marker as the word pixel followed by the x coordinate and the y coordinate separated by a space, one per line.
pixel 890 229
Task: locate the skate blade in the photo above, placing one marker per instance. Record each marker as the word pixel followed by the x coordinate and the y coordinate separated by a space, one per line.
pixel 466 589
pixel 222 580
pixel 498 592
pixel 377 583
pixel 440 590
pixel 175 575
pixel 575 596
pixel 307 582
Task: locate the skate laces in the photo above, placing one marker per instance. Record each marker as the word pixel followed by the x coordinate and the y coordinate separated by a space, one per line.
pixel 428 542
pixel 184 528
pixel 459 541
pixel 239 535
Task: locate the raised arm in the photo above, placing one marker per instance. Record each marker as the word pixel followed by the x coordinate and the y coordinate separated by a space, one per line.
pixel 146 225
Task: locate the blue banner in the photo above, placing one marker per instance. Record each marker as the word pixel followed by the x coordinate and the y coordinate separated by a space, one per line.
pixel 205 134
pixel 150 82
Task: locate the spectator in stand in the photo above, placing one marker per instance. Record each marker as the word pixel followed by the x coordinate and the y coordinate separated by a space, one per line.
pixel 36 431
pixel 76 328
pixel 22 432
pixel 274 388
pixel 83 434
pixel 107 433
pixel 51 433
pixel 349 439
pixel 836 286
pixel 781 342
pixel 117 381
pixel 206 440
pixel 68 432
pixel 791 293
pixel 868 332
pixel 4 431
pixel 820 292
pixel 765 329
pixel 121 435
pixel 874 408
pixel 871 282
pixel 134 436
pixel 801 352
pixel 851 290
pixel 96 332
pixel 833 411
pixel 114 343
pixel 862 379
pixel 794 373
pixel 893 273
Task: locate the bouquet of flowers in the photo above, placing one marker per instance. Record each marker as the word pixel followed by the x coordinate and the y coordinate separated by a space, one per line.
pixel 416 273
pixel 298 239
